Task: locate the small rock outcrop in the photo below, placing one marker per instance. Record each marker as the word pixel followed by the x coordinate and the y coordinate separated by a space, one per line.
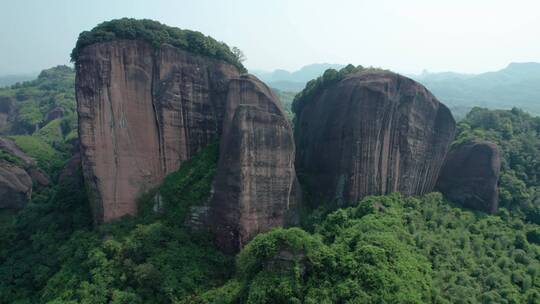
pixel 142 112
pixel 470 175
pixel 9 146
pixel 255 186
pixel 57 112
pixel 15 186
pixel 27 163
pixel 373 132
pixel 71 171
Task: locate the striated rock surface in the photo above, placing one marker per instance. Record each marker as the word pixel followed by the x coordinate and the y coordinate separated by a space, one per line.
pixel 373 132
pixel 142 112
pixel 15 186
pixel 470 175
pixel 255 186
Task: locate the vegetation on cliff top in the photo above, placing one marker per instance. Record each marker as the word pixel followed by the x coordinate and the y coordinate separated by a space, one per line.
pixel 157 34
pixel 315 86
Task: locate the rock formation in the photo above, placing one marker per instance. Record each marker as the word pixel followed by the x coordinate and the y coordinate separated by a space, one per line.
pixel 57 112
pixel 470 175
pixel 25 162
pixel 373 132
pixel 142 112
pixel 255 184
pixel 15 186
pixel 9 146
pixel 71 171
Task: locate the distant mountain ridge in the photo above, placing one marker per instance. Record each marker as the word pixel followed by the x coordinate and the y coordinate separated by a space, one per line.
pixel 517 85
pixel 294 81
pixel 7 80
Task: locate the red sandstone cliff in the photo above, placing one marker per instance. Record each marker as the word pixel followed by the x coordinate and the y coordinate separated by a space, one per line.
pixel 374 132
pixel 142 112
pixel 255 185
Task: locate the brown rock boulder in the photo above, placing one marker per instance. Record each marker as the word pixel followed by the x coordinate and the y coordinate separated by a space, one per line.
pixel 57 112
pixel 71 170
pixel 470 175
pixel 142 112
pixel 9 146
pixel 255 187
pixel 15 186
pixel 373 132
pixel 39 177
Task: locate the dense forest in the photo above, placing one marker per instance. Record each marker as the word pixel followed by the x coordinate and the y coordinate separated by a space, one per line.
pixel 157 34
pixel 384 249
pixel 42 116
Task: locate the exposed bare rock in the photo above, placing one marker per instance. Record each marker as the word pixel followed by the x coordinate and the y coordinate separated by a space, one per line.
pixel 470 175
pixel 71 170
pixel 15 186
pixel 39 177
pixel 142 112
pixel 255 185
pixel 10 147
pixel 374 132
pixel 57 112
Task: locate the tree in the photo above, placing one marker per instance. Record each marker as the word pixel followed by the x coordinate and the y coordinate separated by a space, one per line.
pixel 238 54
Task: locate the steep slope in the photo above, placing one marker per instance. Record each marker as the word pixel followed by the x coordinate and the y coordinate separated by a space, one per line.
pixel 146 109
pixel 369 132
pixel 142 112
pixel 256 187
pixel 470 175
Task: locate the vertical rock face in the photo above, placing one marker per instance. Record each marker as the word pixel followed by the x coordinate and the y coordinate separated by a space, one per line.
pixel 15 186
pixel 470 175
pixel 374 132
pixel 255 185
pixel 142 111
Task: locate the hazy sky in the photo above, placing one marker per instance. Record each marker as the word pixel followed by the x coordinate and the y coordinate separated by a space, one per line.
pixel 405 36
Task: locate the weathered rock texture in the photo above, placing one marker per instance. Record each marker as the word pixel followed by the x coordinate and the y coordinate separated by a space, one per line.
pixel 57 112
pixel 142 112
pixel 27 163
pixel 255 184
pixel 470 175
pixel 15 186
pixel 9 146
pixel 374 132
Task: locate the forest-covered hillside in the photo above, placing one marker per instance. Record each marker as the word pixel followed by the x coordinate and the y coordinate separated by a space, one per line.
pixel 384 249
